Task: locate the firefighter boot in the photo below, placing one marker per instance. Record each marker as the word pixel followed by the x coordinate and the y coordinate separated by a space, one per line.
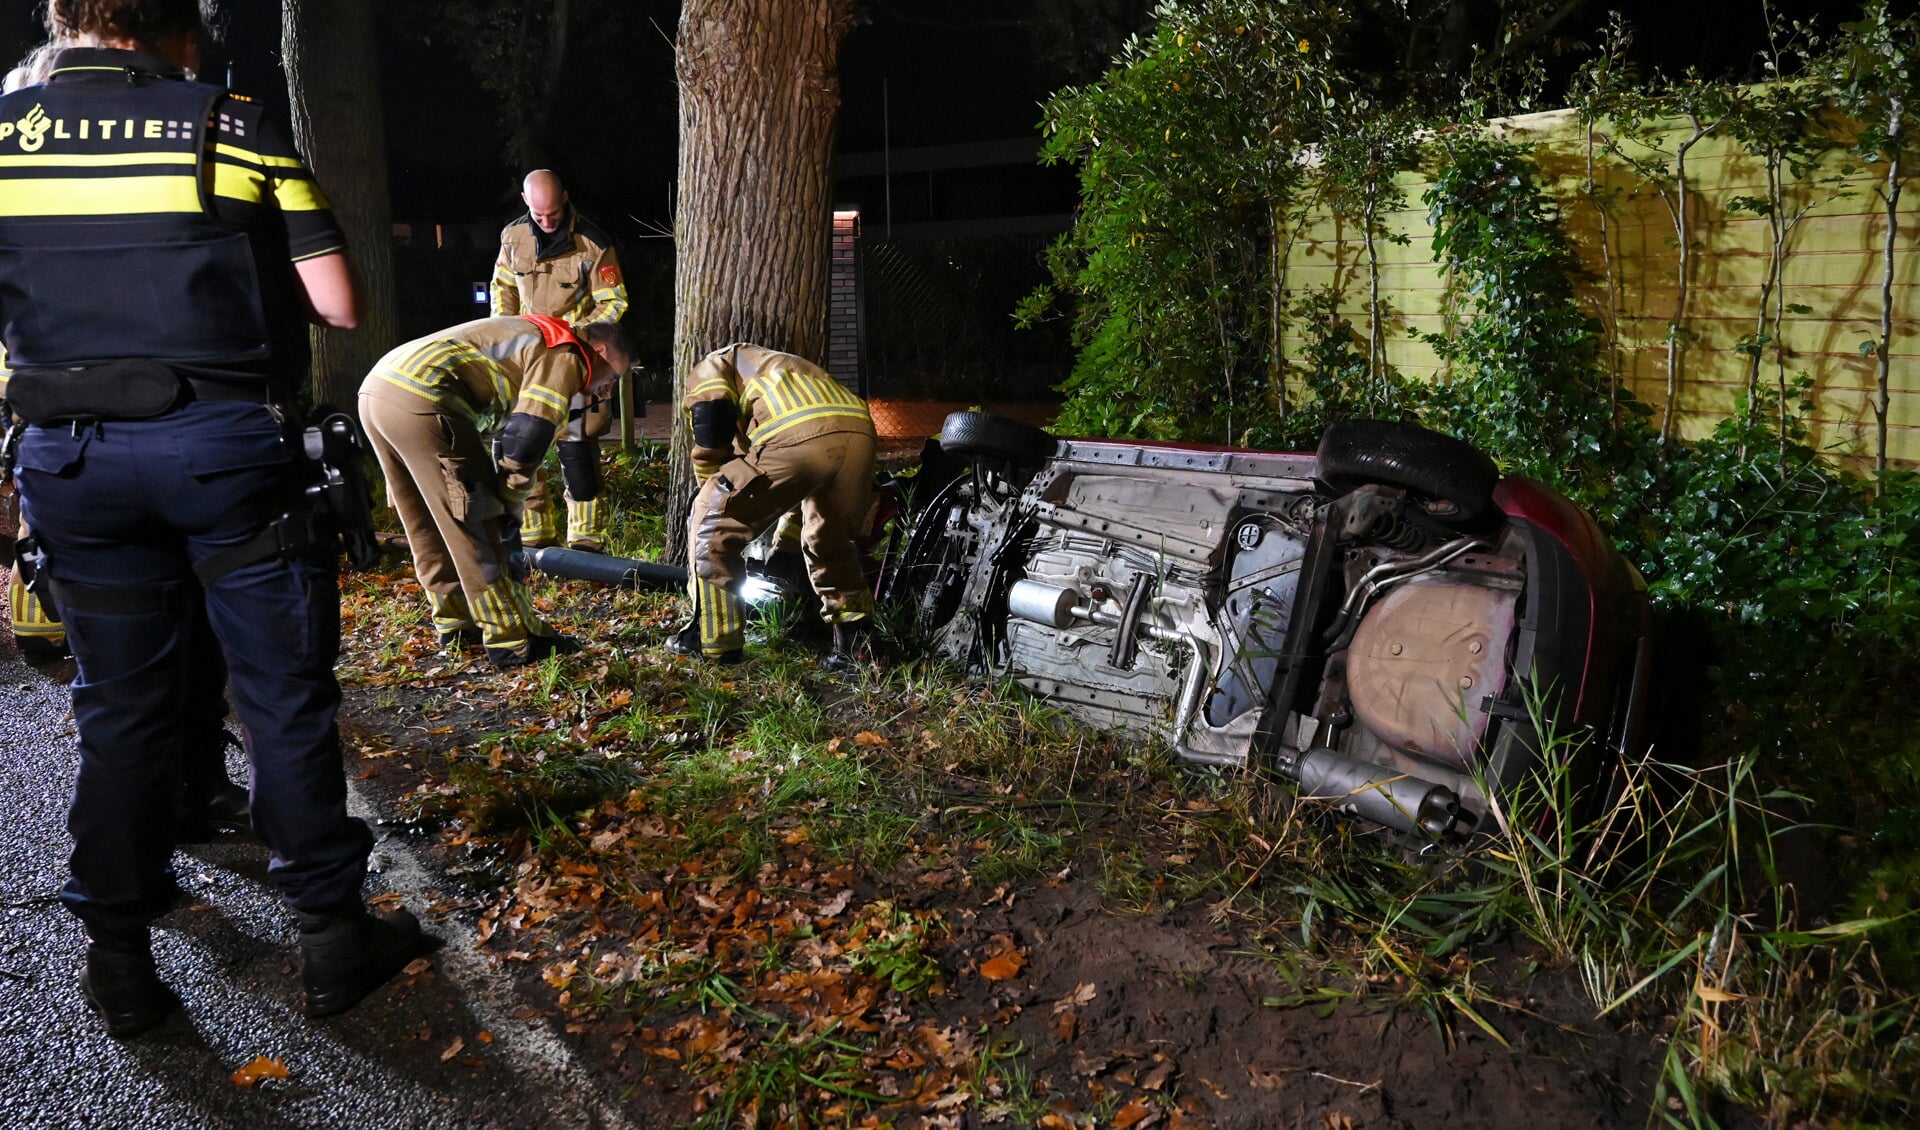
pixel 852 648
pixel 120 984
pixel 347 953
pixel 686 643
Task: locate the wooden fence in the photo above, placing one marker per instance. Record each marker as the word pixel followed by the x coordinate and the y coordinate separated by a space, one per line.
pixel 1833 267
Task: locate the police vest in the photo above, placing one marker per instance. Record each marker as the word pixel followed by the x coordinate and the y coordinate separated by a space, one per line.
pixel 110 247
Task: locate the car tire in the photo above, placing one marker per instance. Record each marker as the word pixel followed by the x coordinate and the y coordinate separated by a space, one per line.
pixel 927 579
pixel 1454 478
pixel 976 435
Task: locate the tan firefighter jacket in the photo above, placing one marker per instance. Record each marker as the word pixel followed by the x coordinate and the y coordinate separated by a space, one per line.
pixel 485 370
pixel 580 283
pixel 780 397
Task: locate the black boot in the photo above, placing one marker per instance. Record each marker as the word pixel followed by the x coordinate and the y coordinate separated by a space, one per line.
pixel 120 984
pixel 533 651
pixel 224 809
pixel 40 652
pixel 347 954
pixel 686 642
pixel 852 648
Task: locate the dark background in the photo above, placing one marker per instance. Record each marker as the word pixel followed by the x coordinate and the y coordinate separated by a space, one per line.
pixel 947 249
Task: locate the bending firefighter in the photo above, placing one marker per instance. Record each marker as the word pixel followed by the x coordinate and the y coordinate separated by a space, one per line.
pixel 809 442
pixel 428 407
pixel 556 262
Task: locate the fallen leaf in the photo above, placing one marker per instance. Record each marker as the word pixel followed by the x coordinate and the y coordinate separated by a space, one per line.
pixel 869 738
pixel 1053 1122
pixel 417 966
pixel 1338 1121
pixel 837 905
pixel 1265 1080
pixel 1157 1078
pixel 453 1049
pixel 1133 1114
pixel 1003 967
pixel 485 1037
pixel 1082 994
pixel 262 1067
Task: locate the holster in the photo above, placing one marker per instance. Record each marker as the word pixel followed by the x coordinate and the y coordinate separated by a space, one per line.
pixel 335 503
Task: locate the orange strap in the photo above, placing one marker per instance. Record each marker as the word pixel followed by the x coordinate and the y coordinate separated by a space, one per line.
pixel 556 332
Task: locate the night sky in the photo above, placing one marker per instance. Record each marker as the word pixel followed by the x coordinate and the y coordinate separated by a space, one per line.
pixel 913 74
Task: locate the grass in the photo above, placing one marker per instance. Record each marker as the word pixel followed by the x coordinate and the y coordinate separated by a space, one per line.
pixel 709 820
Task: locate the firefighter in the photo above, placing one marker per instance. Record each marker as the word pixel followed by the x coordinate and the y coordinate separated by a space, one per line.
pixel 555 261
pixel 428 407
pixel 162 248
pixel 808 442
pixel 41 636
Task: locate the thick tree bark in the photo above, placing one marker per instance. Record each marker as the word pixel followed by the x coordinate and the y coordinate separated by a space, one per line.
pixel 759 94
pixel 330 54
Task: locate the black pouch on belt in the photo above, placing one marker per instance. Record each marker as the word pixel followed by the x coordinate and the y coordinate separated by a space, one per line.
pixel 113 390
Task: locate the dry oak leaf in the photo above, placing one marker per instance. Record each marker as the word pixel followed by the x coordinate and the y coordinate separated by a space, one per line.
pixel 1135 1113
pixel 868 738
pixel 262 1067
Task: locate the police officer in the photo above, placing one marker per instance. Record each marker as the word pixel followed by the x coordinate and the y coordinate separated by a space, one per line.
pixel 206 801
pixel 555 261
pixel 428 407
pixel 161 246
pixel 809 442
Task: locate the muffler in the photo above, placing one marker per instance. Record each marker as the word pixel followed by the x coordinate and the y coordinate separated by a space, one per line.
pixel 1374 792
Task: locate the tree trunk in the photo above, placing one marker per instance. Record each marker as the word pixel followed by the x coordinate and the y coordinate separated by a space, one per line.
pixel 759 94
pixel 333 84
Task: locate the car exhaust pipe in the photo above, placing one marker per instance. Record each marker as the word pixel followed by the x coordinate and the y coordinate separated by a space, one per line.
pixel 626 572
pixel 1399 801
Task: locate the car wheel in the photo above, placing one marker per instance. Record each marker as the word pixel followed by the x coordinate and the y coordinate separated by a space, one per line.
pixel 983 435
pixel 933 569
pixel 1454 479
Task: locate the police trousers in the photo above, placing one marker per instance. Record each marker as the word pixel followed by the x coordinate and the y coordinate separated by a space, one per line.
pixel 124 510
pixel 830 478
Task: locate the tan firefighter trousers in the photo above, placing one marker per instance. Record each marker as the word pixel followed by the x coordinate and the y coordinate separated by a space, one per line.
pixel 830 477
pixel 442 483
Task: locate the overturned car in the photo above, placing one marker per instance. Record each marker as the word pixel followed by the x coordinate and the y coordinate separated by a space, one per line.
pixel 1386 622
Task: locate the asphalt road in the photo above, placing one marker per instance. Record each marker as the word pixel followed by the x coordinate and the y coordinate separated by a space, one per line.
pixel 448 1047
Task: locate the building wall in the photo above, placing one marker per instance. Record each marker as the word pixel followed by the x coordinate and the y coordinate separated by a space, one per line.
pixel 1833 267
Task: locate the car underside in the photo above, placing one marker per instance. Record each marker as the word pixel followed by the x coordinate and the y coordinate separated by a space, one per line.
pixel 1386 622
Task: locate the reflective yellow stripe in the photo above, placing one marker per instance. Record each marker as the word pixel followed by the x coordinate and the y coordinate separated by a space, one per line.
pixel 299 196
pixel 92 160
pixel 774 427
pixel 437 395
pixel 545 396
pixel 261 159
pixel 709 386
pixel 115 196
pixel 236 183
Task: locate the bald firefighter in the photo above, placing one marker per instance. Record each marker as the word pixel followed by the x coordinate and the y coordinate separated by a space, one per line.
pixel 808 442
pixel 429 407
pixel 557 262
